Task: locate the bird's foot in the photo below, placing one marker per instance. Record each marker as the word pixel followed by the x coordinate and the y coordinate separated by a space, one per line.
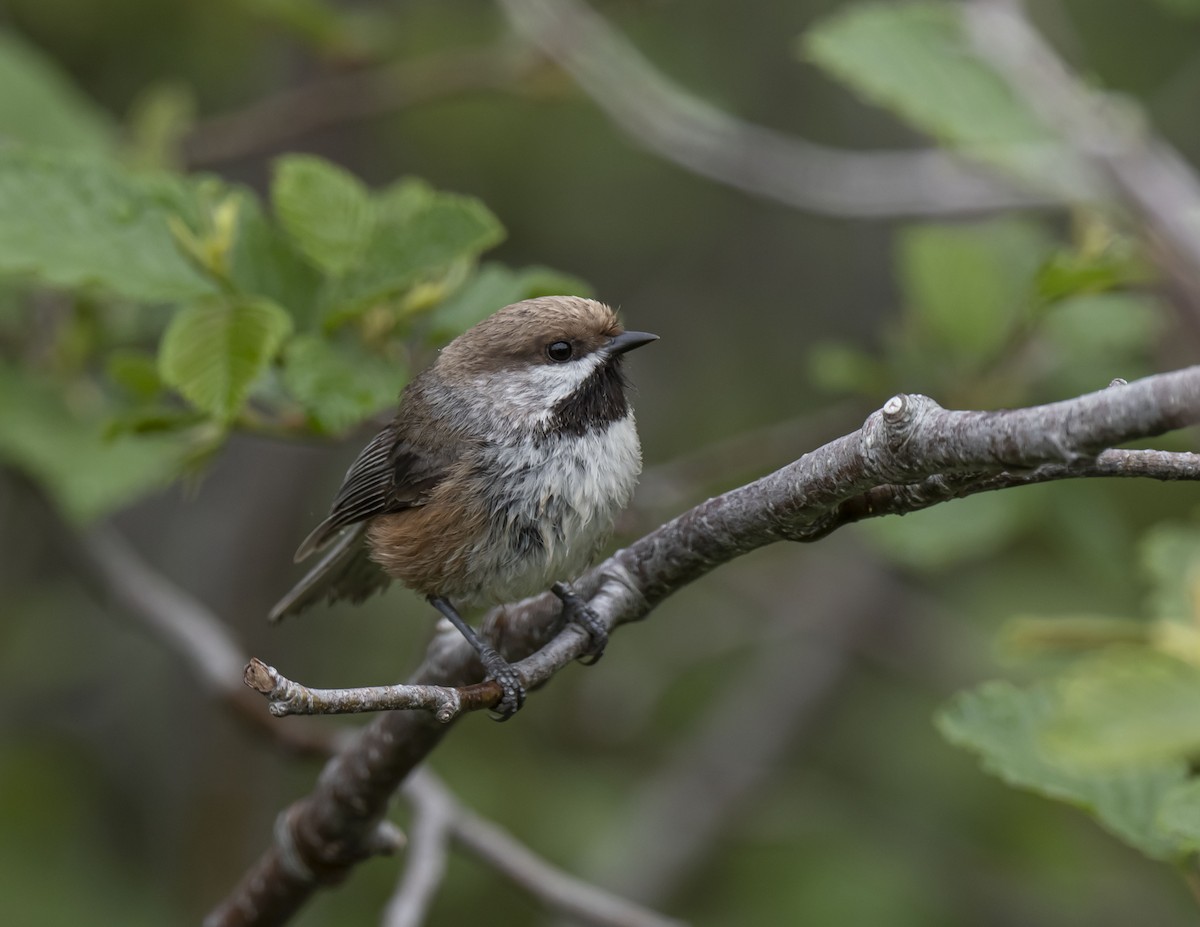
pixel 501 671
pixel 577 611
pixel 496 668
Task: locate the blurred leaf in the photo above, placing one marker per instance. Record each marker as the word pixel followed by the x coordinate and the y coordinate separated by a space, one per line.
pixel 915 59
pixel 40 106
pixel 1096 337
pixel 135 371
pixel 1179 815
pixel 160 117
pixel 73 222
pixel 213 350
pixel 944 535
pixel 418 238
pixel 1171 560
pixel 66 452
pixel 1125 706
pixel 494 286
pixel 154 419
pixel 968 287
pixel 1004 726
pixel 339 385
pixel 325 209
pixel 1105 327
pixel 1076 272
pixel 842 368
pixel 1030 636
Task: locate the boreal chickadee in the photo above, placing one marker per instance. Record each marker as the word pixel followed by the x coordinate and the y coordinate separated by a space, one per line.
pixel 499 477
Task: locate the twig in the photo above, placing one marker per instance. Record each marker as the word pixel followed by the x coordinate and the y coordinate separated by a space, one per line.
pixel 558 890
pixel 336 99
pixel 662 117
pixel 911 440
pixel 1146 174
pixel 193 632
pixel 428 849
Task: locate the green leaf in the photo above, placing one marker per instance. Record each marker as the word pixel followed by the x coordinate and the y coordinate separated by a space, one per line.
pixel 135 371
pixel 326 210
pixel 213 350
pixel 494 286
pixel 1179 815
pixel 1004 725
pixel 1073 273
pixel 63 448
pixel 339 385
pixel 74 222
pixel 1031 636
pixel 419 237
pixel 968 287
pixel 265 263
pixel 915 59
pixel 40 106
pixel 1125 706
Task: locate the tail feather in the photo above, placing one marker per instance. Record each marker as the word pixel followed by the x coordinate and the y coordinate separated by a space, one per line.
pixel 344 572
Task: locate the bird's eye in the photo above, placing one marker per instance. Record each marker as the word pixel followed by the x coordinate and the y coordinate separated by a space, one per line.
pixel 559 351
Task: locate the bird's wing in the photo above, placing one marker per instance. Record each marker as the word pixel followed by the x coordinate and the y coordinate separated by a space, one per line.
pixel 390 475
pixel 343 572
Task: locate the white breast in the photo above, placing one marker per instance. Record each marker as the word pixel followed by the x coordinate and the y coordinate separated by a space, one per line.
pixel 553 502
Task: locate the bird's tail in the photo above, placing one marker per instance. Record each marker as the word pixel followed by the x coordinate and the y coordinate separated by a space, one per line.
pixel 343 572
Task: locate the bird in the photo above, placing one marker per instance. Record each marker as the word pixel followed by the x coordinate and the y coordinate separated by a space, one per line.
pixel 499 477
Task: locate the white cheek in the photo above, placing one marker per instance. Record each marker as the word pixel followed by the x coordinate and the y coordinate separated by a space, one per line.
pixel 531 393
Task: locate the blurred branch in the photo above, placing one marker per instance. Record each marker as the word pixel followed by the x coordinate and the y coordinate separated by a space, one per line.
pixel 662 117
pixel 428 849
pixel 188 629
pixel 278 120
pixel 910 441
pixel 1146 174
pixel 493 845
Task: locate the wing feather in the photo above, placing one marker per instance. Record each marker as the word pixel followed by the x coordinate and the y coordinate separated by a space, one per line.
pixel 390 475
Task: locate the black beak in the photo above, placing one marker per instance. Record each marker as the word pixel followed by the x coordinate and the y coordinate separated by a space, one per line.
pixel 627 341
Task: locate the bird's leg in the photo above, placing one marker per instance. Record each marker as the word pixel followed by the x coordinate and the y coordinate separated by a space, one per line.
pixel 495 666
pixel 577 611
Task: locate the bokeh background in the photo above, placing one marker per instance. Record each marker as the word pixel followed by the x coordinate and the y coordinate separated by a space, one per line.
pixel 761 750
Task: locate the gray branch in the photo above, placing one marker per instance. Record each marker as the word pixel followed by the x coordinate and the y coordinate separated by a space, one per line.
pixel 910 442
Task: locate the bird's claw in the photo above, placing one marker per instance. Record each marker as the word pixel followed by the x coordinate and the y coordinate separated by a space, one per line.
pixel 501 672
pixel 577 611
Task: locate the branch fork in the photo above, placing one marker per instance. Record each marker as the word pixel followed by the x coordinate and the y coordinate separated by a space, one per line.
pixel 909 455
